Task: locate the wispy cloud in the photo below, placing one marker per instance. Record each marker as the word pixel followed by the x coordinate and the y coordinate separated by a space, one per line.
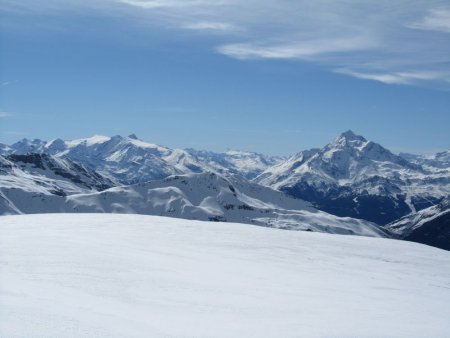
pixel 395 42
pixel 398 77
pixel 152 4
pixel 301 50
pixel 223 27
pixel 437 19
pixel 7 83
pixel 5 114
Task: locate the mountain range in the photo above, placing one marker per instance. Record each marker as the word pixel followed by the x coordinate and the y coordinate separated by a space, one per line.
pixel 351 185
pixel 205 196
pixel 129 160
pixel 354 177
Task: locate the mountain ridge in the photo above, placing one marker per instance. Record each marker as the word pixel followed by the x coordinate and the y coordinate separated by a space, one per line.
pixel 354 177
pixel 350 176
pixel 128 160
pixel 429 226
pixel 204 196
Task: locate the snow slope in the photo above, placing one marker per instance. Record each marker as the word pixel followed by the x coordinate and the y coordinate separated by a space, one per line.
pixel 197 196
pixel 31 181
pixel 34 181
pixel 439 160
pixel 241 163
pixel 144 276
pixel 62 169
pixel 212 197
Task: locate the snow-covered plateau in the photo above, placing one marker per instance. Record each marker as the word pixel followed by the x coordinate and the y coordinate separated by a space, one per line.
pixel 104 275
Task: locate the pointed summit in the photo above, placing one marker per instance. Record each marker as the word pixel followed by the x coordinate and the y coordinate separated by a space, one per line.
pixel 349 135
pixel 357 147
pixel 348 138
pixel 133 137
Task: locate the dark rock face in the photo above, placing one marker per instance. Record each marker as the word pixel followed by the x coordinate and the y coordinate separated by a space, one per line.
pixel 423 203
pixel 435 233
pixel 342 201
pixel 5 165
pixel 429 226
pixel 37 160
pixel 63 168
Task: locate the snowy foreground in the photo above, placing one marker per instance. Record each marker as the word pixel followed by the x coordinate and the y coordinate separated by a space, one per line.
pixel 101 275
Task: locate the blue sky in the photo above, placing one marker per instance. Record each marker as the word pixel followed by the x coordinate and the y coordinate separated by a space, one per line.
pixel 272 76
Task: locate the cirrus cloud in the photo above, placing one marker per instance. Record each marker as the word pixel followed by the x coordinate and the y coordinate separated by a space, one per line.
pixel 394 42
pixel 390 42
pixel 301 50
pixel 5 114
pixel 437 19
pixel 398 77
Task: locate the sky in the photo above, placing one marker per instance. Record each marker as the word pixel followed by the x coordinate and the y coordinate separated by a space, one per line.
pixel 271 76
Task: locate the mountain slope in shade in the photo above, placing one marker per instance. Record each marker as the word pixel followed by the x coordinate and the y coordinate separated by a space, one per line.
pixel 428 226
pixel 139 276
pixel 58 168
pixel 204 197
pixel 29 182
pixel 129 160
pixel 358 178
pixel 25 146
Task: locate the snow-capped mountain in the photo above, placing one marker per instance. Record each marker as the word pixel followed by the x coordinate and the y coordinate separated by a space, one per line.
pixel 63 169
pixel 241 163
pixel 25 146
pixel 355 177
pixel 29 181
pixel 429 226
pixel 129 160
pixel 204 196
pixel 351 176
pixel 126 160
pixel 439 160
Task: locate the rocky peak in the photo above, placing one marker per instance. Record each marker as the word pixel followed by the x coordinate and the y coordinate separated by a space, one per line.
pixel 349 137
